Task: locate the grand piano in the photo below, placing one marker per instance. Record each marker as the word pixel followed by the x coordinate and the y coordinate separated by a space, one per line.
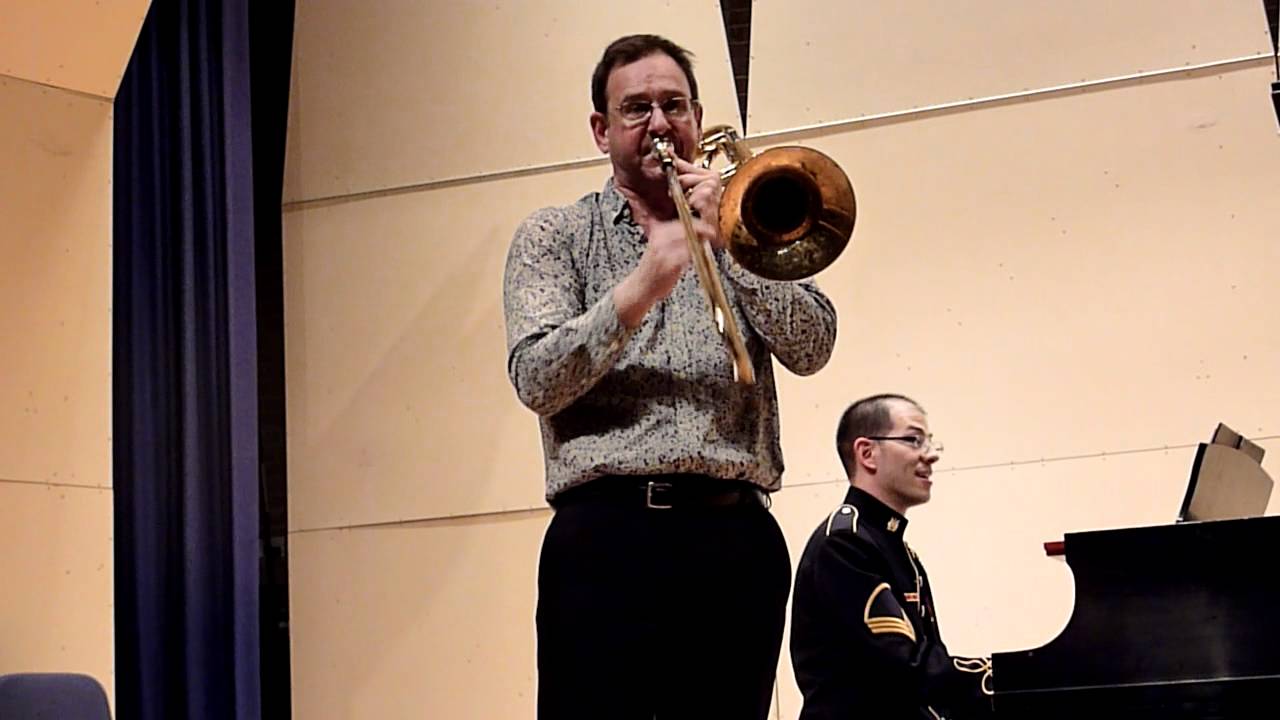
pixel 1170 621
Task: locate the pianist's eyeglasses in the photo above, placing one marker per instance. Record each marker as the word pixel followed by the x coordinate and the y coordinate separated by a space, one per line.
pixel 917 442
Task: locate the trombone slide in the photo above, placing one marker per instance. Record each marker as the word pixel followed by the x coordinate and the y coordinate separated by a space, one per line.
pixel 708 274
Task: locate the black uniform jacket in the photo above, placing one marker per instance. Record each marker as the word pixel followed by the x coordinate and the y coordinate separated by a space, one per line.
pixel 864 637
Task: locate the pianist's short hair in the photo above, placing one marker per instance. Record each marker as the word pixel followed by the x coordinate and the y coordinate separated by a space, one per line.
pixel 865 418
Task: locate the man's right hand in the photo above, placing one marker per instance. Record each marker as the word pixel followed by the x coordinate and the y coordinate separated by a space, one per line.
pixel 665 259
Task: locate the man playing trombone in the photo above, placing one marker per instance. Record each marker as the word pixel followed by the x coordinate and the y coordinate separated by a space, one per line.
pixel 663 578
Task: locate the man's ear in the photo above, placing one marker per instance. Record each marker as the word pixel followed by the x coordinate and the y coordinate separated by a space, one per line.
pixel 600 130
pixel 864 453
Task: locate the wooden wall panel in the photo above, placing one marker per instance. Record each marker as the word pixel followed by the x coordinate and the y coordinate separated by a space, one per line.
pixel 817 61
pixel 416 621
pixel 55 296
pixel 56 612
pixel 403 92
pixel 72 44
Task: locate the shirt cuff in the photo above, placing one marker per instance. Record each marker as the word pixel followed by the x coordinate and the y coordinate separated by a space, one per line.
pixel 605 328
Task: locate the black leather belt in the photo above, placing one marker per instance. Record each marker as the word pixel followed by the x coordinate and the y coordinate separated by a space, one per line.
pixel 664 492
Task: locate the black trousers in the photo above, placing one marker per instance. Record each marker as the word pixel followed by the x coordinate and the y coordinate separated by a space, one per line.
pixel 669 614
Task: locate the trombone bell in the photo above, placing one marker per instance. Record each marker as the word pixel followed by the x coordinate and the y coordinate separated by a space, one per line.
pixel 786 213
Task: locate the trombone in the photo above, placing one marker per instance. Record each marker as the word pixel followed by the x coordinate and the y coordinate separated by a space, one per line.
pixel 785 214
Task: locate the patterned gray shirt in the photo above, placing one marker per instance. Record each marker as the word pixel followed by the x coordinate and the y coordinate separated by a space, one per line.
pixel 660 398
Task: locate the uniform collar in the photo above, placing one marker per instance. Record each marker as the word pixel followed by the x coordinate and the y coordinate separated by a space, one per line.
pixel 873 513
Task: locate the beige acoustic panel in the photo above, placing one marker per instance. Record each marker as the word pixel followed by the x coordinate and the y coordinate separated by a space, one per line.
pixel 80 45
pixel 1085 274
pixel 55 285
pixel 56 612
pixel 817 61
pixel 399 405
pixel 427 620
pixel 398 92
pixel 981 540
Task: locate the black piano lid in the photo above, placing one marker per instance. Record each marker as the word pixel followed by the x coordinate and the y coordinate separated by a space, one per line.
pixel 1170 621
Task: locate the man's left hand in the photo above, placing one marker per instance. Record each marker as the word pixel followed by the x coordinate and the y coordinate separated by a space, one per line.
pixel 702 191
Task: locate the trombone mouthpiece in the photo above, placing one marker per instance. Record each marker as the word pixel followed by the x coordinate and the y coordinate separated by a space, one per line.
pixel 663 149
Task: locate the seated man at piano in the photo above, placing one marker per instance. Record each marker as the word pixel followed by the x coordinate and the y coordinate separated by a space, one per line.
pixel 864 636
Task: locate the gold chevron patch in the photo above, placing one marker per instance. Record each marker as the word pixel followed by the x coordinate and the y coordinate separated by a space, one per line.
pixel 882 625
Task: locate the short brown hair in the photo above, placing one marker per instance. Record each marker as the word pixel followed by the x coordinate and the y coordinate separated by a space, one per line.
pixel 626 50
pixel 867 417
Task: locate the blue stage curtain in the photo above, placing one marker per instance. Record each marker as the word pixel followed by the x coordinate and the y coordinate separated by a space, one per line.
pixel 185 378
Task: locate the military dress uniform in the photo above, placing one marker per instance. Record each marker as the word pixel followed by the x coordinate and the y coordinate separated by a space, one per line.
pixel 864 636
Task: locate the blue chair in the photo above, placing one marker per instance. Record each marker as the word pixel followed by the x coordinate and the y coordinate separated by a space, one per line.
pixel 52 696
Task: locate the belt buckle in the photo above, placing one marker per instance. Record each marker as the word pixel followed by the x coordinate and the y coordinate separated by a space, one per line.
pixel 661 487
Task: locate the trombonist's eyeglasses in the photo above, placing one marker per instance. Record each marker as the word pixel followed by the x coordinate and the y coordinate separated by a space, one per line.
pixel 917 442
pixel 637 112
